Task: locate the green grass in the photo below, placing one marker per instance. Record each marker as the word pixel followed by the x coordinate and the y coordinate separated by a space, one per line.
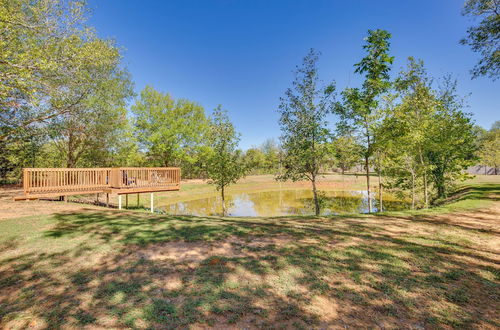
pixel 423 269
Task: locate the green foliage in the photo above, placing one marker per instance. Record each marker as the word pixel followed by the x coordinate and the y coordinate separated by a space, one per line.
pixel 51 62
pixel 484 38
pixel 453 140
pixel 427 138
pixel 63 84
pixel 254 159
pixel 263 159
pixel 95 129
pixel 303 124
pixel 347 151
pixel 358 109
pixel 172 132
pixel 223 165
pixel 489 149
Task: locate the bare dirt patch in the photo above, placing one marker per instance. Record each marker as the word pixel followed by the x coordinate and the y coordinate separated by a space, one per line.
pixel 16 209
pixel 195 252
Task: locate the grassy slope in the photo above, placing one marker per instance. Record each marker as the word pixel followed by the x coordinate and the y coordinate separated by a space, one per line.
pixel 107 268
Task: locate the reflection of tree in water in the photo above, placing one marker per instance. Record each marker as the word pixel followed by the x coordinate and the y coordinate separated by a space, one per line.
pixel 285 202
pixel 204 206
pixel 393 205
pixel 345 203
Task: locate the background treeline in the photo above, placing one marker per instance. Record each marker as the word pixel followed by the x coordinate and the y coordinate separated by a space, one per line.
pixel 67 101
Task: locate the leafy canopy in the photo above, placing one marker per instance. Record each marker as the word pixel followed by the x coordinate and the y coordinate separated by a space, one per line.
pixel 224 166
pixel 485 37
pixel 169 130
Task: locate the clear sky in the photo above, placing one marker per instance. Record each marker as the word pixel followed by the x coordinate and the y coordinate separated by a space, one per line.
pixel 241 54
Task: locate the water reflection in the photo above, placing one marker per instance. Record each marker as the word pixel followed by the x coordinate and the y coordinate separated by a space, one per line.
pixel 285 202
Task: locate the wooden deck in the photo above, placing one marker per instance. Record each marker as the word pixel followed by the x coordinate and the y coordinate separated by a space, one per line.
pixel 54 182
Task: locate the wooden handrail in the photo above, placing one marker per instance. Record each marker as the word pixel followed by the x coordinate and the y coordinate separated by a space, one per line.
pixel 53 180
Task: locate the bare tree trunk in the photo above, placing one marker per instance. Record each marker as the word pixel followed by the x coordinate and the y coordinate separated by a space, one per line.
pixel 367 166
pixel 381 204
pixel 223 202
pixel 412 191
pixel 426 191
pixel 315 194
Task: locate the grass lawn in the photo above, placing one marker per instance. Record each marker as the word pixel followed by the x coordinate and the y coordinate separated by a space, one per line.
pixel 105 268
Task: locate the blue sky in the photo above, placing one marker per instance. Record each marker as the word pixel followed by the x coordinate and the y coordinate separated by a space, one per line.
pixel 241 54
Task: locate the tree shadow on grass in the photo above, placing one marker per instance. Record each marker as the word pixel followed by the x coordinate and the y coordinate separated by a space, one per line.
pixel 352 274
pixel 485 191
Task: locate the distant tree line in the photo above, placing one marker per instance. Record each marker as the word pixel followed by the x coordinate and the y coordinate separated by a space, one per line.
pixel 64 96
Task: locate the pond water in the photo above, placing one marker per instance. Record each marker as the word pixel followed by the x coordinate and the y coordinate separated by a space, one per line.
pixel 284 202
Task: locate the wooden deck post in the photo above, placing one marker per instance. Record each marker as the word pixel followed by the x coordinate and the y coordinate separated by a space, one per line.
pixel 119 202
pixel 137 200
pixel 107 200
pixel 126 201
pixel 152 202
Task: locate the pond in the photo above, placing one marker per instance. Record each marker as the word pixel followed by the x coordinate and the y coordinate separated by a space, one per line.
pixel 284 202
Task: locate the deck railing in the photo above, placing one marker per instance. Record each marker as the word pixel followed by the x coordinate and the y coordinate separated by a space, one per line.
pixel 53 180
pixel 142 177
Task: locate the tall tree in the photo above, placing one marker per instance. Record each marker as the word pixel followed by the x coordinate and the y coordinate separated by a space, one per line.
pixel 50 61
pixel 224 166
pixel 452 139
pixel 171 131
pixel 359 107
pixel 485 37
pixel 303 124
pixel 415 115
pixel 89 134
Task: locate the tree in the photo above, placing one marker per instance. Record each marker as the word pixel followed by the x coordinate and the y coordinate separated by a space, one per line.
pixel 415 115
pixel 171 131
pixel 50 61
pixel 346 151
pixel 89 134
pixel 359 106
pixel 254 159
pixel 485 37
pixel 271 151
pixel 303 124
pixel 223 166
pixel 489 150
pixel 452 139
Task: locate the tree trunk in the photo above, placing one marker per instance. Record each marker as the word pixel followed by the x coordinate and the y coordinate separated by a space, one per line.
pixel 223 202
pixel 412 191
pixel 315 194
pixel 426 190
pixel 367 166
pixel 381 204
